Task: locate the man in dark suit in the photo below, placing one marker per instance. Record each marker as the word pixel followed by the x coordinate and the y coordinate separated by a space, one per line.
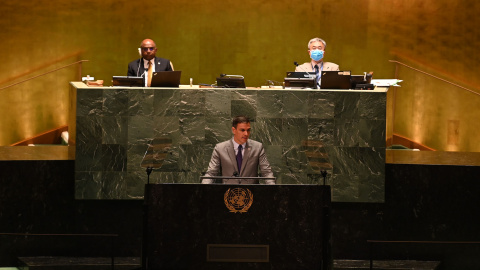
pixel 141 67
pixel 239 156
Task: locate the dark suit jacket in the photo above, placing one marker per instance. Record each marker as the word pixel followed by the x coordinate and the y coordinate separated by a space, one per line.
pixel 224 163
pixel 161 64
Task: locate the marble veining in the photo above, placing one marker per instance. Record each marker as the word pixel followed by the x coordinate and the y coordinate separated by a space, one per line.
pixel 304 132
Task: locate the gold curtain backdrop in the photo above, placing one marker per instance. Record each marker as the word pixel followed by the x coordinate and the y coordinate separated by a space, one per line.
pixel 257 39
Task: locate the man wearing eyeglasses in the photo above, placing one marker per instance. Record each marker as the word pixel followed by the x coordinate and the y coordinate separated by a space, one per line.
pixel 149 63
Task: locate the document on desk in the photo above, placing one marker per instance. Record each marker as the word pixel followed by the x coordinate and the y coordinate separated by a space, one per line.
pixel 386 82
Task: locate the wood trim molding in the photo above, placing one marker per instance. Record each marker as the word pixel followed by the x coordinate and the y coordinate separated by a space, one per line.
pixel 399 139
pixel 52 136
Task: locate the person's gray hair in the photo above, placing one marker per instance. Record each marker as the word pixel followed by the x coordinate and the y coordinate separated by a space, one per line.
pixel 319 40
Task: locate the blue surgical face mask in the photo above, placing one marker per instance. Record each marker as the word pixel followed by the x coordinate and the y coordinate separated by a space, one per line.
pixel 316 55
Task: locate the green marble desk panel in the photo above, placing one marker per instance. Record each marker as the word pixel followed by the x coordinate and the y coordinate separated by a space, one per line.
pixel 303 131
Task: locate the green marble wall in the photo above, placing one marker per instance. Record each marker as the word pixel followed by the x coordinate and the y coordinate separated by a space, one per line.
pixel 304 131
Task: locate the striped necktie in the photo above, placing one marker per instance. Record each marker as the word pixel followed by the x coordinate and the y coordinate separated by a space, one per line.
pixel 317 74
pixel 150 73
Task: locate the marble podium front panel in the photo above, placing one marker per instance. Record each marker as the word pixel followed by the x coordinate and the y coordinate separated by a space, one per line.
pixel 303 131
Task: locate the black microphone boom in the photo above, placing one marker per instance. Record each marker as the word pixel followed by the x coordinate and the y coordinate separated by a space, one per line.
pixel 308 74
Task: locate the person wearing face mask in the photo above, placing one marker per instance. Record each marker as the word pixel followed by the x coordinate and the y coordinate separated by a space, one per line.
pixel 316 50
pixel 148 63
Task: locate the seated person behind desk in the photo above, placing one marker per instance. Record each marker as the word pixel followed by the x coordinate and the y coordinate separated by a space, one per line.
pixel 316 50
pixel 239 156
pixel 140 67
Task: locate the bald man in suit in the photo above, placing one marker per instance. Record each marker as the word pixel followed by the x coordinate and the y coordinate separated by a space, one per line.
pixel 139 68
pixel 316 50
pixel 225 160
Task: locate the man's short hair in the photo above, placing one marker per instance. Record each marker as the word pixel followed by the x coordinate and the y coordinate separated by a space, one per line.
pixel 319 40
pixel 240 119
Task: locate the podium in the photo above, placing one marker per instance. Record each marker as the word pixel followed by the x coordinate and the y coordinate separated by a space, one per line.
pixel 216 226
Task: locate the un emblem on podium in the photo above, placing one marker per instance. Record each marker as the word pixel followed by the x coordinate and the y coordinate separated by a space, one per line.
pixel 238 200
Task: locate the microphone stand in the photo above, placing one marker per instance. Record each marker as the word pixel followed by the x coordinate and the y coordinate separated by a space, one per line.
pixel 151 160
pixel 237 177
pixel 327 257
pixel 146 200
pixel 324 175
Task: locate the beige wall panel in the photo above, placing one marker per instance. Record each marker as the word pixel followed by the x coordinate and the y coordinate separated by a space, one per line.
pixel 257 39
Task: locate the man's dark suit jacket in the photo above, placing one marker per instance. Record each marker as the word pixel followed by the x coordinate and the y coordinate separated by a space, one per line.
pixel 161 64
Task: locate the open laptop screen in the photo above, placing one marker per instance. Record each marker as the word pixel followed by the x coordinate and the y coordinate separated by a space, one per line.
pixel 335 80
pixel 128 81
pixel 360 79
pixel 231 82
pixel 166 78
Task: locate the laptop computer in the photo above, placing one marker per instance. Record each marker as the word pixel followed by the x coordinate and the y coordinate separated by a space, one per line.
pixel 227 81
pixel 335 80
pixel 128 81
pixel 166 78
pixel 300 83
pixel 360 80
pixel 300 80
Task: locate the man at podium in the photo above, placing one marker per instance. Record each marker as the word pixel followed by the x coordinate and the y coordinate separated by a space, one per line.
pixel 148 63
pixel 239 157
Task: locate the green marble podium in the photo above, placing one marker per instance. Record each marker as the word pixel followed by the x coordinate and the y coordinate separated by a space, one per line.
pixel 304 132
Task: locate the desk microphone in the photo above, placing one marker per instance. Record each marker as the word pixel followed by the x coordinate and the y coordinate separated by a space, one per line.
pixel 138 69
pixel 236 175
pixel 316 79
pixel 296 64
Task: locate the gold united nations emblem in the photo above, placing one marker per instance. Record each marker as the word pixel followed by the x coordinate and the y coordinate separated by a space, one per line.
pixel 238 200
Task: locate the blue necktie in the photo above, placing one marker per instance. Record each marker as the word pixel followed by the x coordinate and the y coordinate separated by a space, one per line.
pixel 239 158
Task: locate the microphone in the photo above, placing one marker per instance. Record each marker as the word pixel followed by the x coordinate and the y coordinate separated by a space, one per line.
pixel 308 74
pixel 236 175
pixel 324 175
pixel 138 69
